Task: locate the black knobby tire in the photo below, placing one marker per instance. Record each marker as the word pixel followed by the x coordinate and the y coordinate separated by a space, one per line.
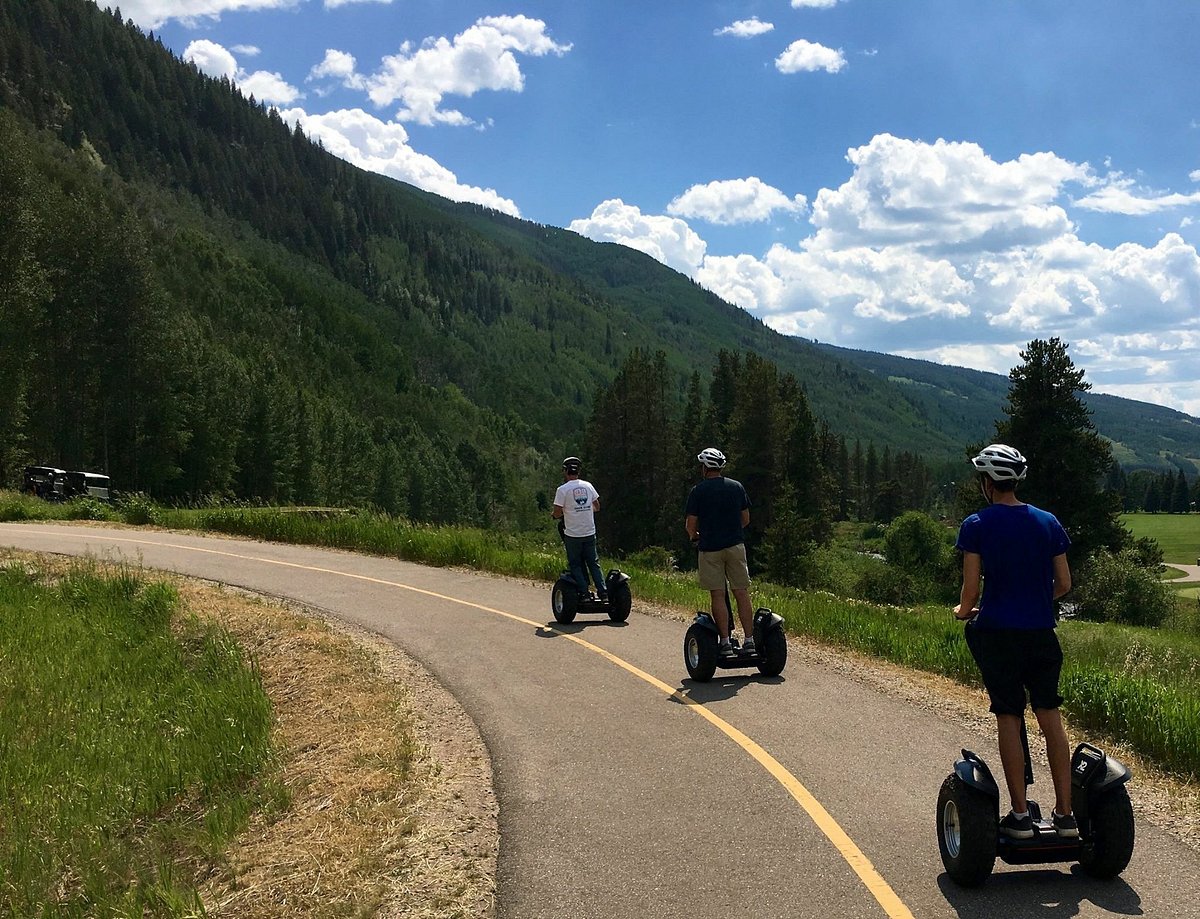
pixel 1111 817
pixel 564 601
pixel 967 827
pixel 700 653
pixel 773 653
pixel 620 600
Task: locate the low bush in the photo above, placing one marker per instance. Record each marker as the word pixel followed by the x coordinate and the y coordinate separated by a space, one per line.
pixel 139 510
pixel 88 509
pixel 1114 587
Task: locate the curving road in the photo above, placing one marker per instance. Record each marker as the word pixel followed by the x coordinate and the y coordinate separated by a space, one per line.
pixel 626 791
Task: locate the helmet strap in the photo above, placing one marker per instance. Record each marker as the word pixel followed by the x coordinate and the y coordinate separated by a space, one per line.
pixel 983 486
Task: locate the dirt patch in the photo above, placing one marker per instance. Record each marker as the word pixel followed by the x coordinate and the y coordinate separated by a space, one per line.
pixel 392 811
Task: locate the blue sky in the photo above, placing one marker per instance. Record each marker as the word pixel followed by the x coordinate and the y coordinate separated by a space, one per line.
pixel 941 179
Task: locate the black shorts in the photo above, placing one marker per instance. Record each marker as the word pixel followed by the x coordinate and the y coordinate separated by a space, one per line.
pixel 1016 661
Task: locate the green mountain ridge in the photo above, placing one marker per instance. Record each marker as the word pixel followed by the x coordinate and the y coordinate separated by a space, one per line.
pixel 199 299
pixel 1143 435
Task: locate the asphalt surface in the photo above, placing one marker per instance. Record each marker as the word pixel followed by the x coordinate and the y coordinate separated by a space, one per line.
pixel 1191 573
pixel 620 798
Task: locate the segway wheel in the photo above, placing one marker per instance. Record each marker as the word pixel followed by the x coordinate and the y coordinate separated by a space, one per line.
pixel 620 599
pixel 564 600
pixel 700 653
pixel 774 653
pixel 1111 817
pixel 967 828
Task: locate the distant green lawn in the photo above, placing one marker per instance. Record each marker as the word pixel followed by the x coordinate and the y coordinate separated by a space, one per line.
pixel 1178 534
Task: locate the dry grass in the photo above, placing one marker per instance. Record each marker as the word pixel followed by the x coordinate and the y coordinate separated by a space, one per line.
pixel 391 810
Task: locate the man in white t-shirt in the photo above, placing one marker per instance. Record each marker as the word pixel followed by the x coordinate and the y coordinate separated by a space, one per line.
pixel 575 504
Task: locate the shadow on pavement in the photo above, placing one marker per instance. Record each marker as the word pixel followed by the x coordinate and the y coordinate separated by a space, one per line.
pixel 1040 894
pixel 554 629
pixel 725 685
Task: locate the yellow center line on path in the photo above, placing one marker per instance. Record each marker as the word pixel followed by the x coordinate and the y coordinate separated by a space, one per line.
pixel 858 862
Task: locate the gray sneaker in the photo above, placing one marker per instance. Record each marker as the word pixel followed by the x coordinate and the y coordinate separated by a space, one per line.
pixel 748 645
pixel 1064 826
pixel 1015 827
pixel 724 648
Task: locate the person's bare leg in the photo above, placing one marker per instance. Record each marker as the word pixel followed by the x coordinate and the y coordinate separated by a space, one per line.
pixel 1058 751
pixel 1012 758
pixel 745 611
pixel 720 612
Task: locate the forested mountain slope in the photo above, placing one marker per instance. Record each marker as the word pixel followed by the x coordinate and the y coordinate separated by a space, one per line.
pixel 199 300
pixel 957 399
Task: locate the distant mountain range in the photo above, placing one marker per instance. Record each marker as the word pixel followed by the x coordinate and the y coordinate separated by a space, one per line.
pixel 282 325
pixel 957 399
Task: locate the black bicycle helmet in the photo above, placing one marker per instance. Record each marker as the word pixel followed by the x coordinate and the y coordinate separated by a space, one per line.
pixel 572 465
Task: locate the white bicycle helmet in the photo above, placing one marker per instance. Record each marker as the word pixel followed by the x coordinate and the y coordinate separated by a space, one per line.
pixel 711 458
pixel 1001 463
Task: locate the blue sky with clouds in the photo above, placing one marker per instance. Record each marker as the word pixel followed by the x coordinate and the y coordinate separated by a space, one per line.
pixel 934 178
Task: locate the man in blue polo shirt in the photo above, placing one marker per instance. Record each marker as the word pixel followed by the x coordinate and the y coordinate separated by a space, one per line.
pixel 717 514
pixel 1020 553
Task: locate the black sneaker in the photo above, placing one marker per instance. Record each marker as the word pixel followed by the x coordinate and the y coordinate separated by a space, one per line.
pixel 1015 827
pixel 725 648
pixel 1064 826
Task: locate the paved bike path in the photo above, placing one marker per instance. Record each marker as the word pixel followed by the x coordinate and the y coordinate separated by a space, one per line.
pixel 618 800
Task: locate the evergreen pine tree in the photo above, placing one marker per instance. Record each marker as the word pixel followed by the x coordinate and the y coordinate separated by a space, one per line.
pixel 1068 460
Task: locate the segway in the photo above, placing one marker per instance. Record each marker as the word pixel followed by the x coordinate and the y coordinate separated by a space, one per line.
pixel 567 600
pixel 968 819
pixel 701 657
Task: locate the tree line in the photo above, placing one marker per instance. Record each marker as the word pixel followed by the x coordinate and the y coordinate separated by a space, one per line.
pixel 800 474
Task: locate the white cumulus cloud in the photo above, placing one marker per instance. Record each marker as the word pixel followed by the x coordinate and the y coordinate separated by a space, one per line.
pixel 806 56
pixel 480 58
pixel 217 61
pixel 667 239
pixel 746 28
pixel 339 67
pixel 152 14
pixel 1123 199
pixel 940 252
pixel 382 146
pixel 734 201
pixel 813 4
pixel 212 59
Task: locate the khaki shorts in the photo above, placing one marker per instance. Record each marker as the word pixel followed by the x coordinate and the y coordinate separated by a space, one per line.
pixel 725 565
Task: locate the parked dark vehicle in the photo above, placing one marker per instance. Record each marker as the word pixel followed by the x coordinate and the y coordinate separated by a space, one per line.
pixel 44 482
pixel 86 485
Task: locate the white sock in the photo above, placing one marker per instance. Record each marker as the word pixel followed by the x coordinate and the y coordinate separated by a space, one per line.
pixel 1021 816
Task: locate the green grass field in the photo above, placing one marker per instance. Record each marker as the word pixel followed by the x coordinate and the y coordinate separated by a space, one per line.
pixel 129 741
pixel 1177 534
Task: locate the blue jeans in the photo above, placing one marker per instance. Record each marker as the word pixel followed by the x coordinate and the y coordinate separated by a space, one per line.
pixel 582 558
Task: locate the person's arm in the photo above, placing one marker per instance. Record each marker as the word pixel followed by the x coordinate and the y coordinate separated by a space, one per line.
pixel 1062 575
pixel 596 505
pixel 745 518
pixel 556 512
pixel 968 599
pixel 691 524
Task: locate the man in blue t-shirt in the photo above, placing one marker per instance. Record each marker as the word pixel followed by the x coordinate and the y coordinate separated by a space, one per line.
pixel 717 513
pixel 1020 553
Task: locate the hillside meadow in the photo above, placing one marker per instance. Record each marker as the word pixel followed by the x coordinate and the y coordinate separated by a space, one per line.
pixel 1177 534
